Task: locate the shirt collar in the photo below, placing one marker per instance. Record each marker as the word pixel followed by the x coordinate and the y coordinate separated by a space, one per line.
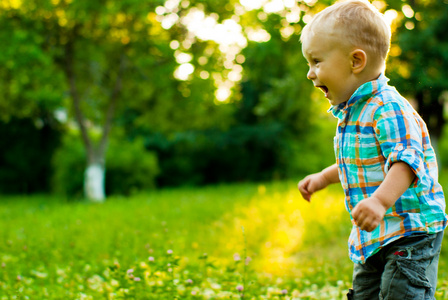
pixel 364 92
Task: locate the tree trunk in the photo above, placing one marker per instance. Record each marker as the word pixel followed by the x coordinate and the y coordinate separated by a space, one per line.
pixel 94 176
pixel 94 179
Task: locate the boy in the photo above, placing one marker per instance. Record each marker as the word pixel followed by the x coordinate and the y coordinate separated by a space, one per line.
pixel 384 159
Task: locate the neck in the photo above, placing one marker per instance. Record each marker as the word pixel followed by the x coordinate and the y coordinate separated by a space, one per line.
pixel 370 74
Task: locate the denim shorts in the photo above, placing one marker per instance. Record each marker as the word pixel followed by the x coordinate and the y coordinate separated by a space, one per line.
pixel 404 269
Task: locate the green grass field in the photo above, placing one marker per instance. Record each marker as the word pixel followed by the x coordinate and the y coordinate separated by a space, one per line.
pixel 246 241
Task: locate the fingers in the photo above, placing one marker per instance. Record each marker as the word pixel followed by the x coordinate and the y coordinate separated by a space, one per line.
pixel 364 218
pixel 366 225
pixel 303 188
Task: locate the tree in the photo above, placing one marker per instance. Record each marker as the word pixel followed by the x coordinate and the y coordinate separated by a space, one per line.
pixel 153 66
pixel 419 58
pixel 82 53
pixel 90 49
pixel 96 60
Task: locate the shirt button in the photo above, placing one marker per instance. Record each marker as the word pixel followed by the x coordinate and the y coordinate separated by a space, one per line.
pixel 343 125
pixel 400 147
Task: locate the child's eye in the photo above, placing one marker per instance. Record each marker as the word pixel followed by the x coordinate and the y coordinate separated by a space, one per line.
pixel 316 61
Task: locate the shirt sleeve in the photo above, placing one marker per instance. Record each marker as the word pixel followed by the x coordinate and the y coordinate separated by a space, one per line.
pixel 400 135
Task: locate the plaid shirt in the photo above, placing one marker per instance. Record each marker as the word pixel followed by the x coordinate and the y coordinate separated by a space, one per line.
pixel 377 127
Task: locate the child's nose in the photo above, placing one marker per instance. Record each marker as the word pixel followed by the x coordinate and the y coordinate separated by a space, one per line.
pixel 311 75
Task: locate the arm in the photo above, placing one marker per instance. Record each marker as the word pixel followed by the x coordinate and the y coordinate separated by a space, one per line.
pixel 369 212
pixel 315 182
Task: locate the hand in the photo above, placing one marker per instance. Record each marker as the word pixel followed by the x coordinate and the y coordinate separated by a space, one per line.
pixel 368 213
pixel 312 183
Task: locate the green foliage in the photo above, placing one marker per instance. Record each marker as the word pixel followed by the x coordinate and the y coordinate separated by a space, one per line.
pixel 26 149
pixel 240 153
pixel 420 69
pixel 312 151
pixel 69 164
pixel 129 167
pixel 29 82
pixel 270 127
pixel 443 149
pixel 59 51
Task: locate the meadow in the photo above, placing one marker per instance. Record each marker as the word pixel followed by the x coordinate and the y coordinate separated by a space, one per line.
pixel 239 241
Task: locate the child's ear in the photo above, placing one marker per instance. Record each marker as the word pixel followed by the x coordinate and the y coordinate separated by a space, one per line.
pixel 358 60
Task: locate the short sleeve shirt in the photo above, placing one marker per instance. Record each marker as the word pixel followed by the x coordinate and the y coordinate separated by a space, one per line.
pixel 376 128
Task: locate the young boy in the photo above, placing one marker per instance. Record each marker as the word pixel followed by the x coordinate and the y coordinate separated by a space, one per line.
pixel 384 158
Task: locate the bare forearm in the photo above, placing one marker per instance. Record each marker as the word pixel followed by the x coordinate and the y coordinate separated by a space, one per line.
pixel 369 212
pixel 397 181
pixel 331 174
pixel 317 181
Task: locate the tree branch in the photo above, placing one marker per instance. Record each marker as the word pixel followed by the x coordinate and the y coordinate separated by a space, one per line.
pixel 71 78
pixel 112 104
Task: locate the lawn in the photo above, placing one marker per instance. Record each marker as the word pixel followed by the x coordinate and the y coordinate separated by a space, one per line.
pixel 244 241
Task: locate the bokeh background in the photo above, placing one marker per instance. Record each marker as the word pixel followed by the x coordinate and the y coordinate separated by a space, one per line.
pixel 169 93
pixel 135 103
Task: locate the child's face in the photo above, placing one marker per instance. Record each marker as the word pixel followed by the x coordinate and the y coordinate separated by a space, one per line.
pixel 330 66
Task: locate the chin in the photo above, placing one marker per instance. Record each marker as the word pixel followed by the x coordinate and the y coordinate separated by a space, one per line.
pixel 335 102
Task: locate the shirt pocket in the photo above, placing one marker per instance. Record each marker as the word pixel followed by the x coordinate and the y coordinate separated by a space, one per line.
pixel 369 159
pixel 367 148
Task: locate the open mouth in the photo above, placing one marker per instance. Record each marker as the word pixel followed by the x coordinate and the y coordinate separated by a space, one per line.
pixel 324 89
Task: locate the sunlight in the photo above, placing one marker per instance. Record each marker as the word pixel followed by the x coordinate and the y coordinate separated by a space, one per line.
pixel 258 35
pixel 169 20
pixel 252 4
pixel 289 3
pixel 204 75
pixel 184 71
pixel 274 6
pixel 310 2
pixel 222 93
pixel 279 223
pixel 380 5
pixel 174 44
pixel 182 57
pixel 390 15
pixel 236 73
pixel 160 10
pixel 287 31
pixel 11 4
pixel 229 35
pixel 172 5
pixel 409 25
pixel 407 11
pixel 307 18
pixel 294 15
pixel 207 28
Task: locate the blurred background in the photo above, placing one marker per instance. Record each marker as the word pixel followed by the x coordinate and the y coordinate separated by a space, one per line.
pixel 113 97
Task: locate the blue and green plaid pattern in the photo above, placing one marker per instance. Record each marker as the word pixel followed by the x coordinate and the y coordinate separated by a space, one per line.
pixel 376 128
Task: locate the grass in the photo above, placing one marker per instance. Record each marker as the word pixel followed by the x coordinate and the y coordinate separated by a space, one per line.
pixel 246 241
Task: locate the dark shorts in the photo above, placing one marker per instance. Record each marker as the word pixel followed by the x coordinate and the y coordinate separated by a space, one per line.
pixel 404 269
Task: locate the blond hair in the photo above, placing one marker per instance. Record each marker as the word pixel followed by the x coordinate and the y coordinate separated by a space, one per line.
pixel 357 23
